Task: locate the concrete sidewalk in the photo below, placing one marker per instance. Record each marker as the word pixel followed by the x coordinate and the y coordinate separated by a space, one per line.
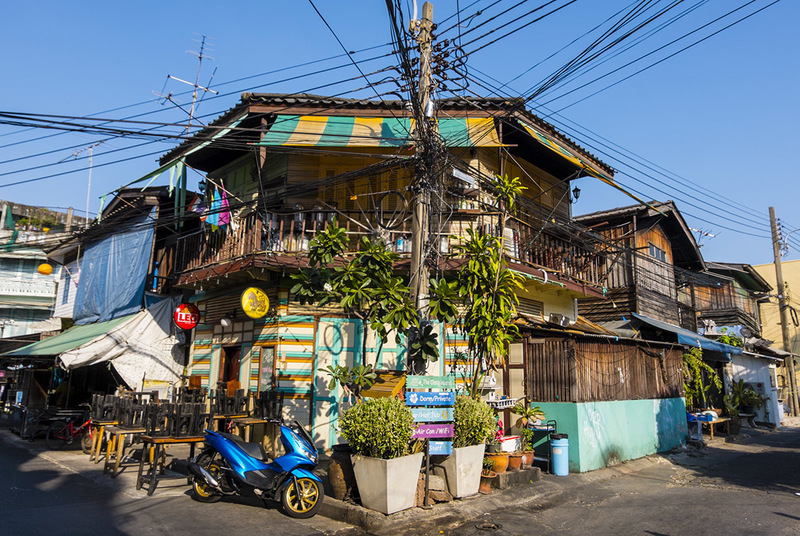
pixel 548 492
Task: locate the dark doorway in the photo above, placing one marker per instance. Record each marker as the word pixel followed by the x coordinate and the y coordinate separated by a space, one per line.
pixel 231 362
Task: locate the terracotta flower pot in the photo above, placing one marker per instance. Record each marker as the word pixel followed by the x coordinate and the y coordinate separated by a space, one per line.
pixel 499 461
pixel 486 482
pixel 515 461
pixel 527 459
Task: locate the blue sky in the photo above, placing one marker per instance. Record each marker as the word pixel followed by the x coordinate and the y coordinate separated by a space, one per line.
pixel 715 123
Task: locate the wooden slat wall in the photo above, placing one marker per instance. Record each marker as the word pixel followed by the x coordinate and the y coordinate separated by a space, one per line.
pixel 585 370
pixel 617 303
pixel 549 370
pixel 621 370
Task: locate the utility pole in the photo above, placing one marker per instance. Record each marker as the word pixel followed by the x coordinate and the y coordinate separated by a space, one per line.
pixel 783 307
pixel 420 224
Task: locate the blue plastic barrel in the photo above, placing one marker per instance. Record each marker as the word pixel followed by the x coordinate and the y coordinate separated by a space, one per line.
pixel 559 454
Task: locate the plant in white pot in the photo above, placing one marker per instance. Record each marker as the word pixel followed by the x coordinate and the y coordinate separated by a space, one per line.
pixel 474 424
pixel 379 431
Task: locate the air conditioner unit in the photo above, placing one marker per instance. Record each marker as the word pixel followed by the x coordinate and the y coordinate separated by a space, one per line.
pixel 559 319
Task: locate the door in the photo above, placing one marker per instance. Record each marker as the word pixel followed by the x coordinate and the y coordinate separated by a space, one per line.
pixel 230 364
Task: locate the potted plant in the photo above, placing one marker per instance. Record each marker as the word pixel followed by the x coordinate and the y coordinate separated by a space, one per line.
pixel 487 476
pixel 494 451
pixel 379 431
pixel 474 425
pixel 527 414
pixel 526 439
pixel 731 402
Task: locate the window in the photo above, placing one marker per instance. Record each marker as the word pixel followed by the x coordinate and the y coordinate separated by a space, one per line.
pixel 658 253
pixel 65 291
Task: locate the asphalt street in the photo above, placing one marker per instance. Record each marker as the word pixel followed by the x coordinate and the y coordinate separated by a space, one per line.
pixel 62 493
pixel 749 485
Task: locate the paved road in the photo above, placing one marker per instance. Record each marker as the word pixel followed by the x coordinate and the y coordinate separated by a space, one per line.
pixel 750 486
pixel 48 493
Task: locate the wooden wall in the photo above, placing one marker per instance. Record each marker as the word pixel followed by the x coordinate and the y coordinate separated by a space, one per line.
pixel 591 370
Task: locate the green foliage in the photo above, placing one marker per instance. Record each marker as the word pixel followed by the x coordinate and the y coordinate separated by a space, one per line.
pixel 362 283
pixel 732 340
pixel 487 464
pixel 744 396
pixel 527 414
pixel 353 380
pixel 696 390
pixel 424 343
pixel 526 438
pixel 506 191
pixel 474 422
pixel 378 427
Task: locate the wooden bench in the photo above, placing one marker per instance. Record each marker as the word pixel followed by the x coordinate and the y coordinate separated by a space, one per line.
pixel 99 431
pixel 156 444
pixel 115 447
pixel 719 420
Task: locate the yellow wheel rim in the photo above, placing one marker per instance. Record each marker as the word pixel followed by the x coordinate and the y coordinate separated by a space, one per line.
pixel 203 489
pixel 304 500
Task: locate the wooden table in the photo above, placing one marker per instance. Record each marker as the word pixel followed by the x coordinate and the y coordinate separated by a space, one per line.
pixel 115 447
pixel 99 430
pixel 246 424
pixel 158 443
pixel 719 420
pixel 214 423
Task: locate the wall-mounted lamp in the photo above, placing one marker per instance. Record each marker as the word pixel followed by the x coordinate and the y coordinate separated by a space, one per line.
pixel 227 320
pixel 576 193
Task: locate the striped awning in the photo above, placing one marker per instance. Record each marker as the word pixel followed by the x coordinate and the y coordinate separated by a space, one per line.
pixel 341 131
pixel 556 147
pixel 546 140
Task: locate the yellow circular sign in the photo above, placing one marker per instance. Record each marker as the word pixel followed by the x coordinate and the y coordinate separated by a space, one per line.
pixel 255 302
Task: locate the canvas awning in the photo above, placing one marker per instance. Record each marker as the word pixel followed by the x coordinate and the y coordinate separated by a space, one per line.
pixel 349 131
pixel 689 338
pixel 71 338
pixel 140 347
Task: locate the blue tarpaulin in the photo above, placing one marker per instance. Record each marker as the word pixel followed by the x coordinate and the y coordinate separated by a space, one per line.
pixel 113 273
pixel 689 338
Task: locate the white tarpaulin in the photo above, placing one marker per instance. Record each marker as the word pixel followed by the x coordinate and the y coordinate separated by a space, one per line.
pixel 141 349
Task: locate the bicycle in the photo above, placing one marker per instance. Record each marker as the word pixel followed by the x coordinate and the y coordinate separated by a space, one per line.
pixel 63 433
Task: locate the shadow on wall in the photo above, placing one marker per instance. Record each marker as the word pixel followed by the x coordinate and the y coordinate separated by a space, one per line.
pixel 671 428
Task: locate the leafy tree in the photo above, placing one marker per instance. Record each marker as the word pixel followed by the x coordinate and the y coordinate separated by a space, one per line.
pixel 696 390
pixel 482 298
pixel 362 283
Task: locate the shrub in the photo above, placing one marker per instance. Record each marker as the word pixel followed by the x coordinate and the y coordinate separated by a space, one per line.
pixel 474 422
pixel 378 427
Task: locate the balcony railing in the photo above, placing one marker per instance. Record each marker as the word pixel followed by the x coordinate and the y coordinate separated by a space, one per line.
pixel 291 233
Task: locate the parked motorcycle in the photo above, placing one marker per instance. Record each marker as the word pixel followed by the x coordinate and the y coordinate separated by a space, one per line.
pixel 230 466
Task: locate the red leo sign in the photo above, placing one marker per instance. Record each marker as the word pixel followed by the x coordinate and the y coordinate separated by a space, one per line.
pixel 186 316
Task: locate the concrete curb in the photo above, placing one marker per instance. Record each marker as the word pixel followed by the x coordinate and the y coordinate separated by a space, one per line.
pixel 545 491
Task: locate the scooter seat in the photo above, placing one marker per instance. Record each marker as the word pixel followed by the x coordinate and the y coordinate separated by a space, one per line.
pixel 252 449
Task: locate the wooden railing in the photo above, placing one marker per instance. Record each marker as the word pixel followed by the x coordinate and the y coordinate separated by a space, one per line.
pixel 291 233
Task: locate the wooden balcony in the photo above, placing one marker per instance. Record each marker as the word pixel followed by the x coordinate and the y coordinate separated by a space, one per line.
pixel 291 233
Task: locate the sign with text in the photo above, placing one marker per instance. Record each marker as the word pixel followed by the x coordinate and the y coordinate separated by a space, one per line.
pixel 430 399
pixel 444 448
pixel 430 382
pixel 433 431
pixel 432 414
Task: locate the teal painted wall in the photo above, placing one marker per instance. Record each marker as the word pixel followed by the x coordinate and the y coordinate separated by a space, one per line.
pixel 605 433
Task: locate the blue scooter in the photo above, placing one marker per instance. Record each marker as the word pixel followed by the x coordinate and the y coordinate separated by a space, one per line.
pixel 230 466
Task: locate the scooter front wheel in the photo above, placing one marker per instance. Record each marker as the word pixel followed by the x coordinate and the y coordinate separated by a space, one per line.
pixel 304 500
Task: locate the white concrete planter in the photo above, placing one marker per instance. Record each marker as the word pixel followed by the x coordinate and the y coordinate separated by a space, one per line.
pixel 463 470
pixel 387 486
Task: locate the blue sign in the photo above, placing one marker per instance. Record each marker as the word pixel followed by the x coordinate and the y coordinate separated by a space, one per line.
pixel 440 447
pixel 430 399
pixel 432 414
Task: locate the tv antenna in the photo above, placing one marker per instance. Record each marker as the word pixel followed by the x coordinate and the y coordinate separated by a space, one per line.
pixel 201 55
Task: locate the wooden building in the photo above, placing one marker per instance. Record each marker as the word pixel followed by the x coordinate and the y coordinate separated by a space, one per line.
pixel 286 165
